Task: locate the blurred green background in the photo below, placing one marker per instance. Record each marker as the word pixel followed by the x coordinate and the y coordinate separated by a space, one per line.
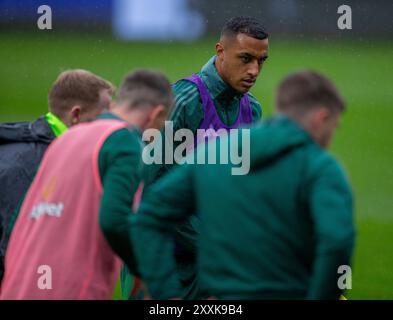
pixel 29 63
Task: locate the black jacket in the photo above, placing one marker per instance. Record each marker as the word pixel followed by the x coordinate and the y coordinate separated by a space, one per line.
pixel 22 146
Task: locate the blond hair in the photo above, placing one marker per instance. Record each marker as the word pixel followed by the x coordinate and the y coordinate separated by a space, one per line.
pixel 76 87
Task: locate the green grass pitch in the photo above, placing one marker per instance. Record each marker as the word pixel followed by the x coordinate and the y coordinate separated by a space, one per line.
pixel 363 71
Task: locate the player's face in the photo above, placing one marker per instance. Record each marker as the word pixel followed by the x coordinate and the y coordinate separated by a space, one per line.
pixel 240 60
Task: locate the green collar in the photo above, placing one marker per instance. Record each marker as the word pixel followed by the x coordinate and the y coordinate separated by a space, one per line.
pixel 108 115
pixel 111 116
pixel 217 87
pixel 58 127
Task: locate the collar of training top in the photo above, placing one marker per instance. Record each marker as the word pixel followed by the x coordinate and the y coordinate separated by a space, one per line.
pixel 111 116
pixel 217 87
pixel 58 127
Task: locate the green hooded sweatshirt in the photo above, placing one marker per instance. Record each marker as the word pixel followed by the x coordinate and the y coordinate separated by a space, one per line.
pixel 279 232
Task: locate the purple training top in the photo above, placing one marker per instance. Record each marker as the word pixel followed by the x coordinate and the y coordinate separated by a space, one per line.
pixel 211 120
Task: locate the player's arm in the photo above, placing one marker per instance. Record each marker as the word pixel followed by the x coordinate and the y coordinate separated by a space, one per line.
pixel 5 238
pixel 14 215
pixel 332 214
pixel 11 223
pixel 166 204
pixel 120 170
pixel 187 113
pixel 6 234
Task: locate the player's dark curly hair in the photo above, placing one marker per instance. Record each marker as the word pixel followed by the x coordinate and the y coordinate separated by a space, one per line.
pixel 246 25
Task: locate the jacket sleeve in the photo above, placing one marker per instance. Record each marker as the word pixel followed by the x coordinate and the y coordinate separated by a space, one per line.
pixel 166 204
pixel 14 216
pixel 187 113
pixel 120 170
pixel 332 213
pixel 6 234
pixel 11 223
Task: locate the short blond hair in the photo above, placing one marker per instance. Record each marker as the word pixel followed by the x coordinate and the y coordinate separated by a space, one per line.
pixel 77 87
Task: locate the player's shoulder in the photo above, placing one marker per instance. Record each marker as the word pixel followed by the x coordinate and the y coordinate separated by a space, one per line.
pixel 121 149
pixel 253 100
pixel 323 163
pixel 123 140
pixel 256 106
pixel 185 92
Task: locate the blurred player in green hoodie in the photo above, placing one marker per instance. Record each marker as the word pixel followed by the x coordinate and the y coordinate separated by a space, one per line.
pixel 279 232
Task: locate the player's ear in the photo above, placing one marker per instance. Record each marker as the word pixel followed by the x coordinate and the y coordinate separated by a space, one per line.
pixel 75 115
pixel 158 112
pixel 157 116
pixel 324 114
pixel 219 50
pixel 319 117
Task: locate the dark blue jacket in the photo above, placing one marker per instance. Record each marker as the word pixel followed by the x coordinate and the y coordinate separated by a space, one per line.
pixel 22 146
